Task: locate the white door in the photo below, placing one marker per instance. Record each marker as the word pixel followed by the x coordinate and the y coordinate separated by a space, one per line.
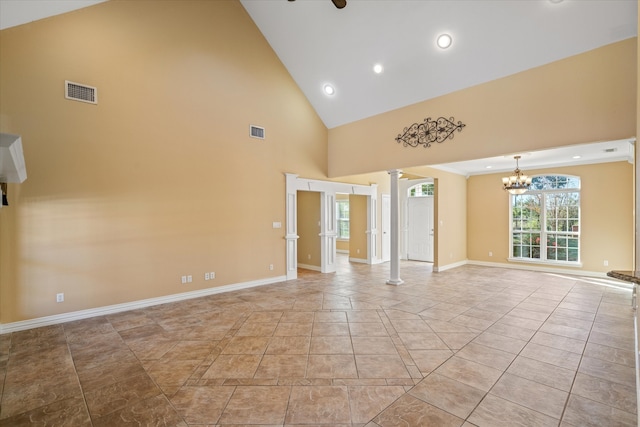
pixel 420 229
pixel 386 227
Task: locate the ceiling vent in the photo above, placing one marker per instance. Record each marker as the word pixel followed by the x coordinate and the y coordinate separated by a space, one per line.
pixel 256 132
pixel 80 92
pixel 610 150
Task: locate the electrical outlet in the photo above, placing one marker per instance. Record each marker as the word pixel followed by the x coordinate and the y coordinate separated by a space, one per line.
pixel 189 279
pixel 271 267
pixel 60 297
pixel 184 279
pixel 212 275
pixel 490 253
pixel 606 263
pixel 206 276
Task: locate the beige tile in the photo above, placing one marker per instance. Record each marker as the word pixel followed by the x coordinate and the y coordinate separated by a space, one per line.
pixel 368 330
pixel 71 412
pixel 373 345
pixel 331 366
pixel 297 317
pixel 488 356
pixel 410 411
pixel 257 329
pixel 456 341
pixel 561 358
pixel 201 405
pixel 153 411
pixel 282 366
pixel 363 316
pixel 543 373
pixel 289 345
pixel 246 345
pixel 318 405
pixel 610 371
pixel 423 341
pixel 610 393
pixel 293 329
pixel 368 401
pixel 470 373
pixel 496 412
pixel 610 354
pixel 559 342
pixel 256 405
pixel 330 329
pixel 530 394
pixel 381 366
pixel 583 412
pixel 500 342
pixel 428 360
pixel 330 345
pixel 449 395
pixel 233 366
pixel 330 317
pixel 105 400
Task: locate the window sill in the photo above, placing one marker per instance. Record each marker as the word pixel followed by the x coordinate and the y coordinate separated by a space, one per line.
pixel 340 239
pixel 540 262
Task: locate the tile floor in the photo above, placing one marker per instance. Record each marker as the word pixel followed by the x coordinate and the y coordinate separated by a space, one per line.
pixel 471 346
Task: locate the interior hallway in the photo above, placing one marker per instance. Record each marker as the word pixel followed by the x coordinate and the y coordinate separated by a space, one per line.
pixel 469 346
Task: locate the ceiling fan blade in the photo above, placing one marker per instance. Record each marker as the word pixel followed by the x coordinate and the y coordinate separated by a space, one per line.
pixel 339 3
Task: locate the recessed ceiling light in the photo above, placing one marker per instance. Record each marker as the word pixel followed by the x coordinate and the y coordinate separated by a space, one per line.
pixel 328 89
pixel 378 68
pixel 488 167
pixel 555 1
pixel 444 41
pixel 576 157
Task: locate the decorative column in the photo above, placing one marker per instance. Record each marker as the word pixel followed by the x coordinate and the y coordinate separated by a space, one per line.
pixel 395 279
pixel 291 225
pixel 328 233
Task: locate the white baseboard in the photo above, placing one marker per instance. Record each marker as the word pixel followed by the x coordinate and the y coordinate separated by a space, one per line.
pixel 111 309
pixel 310 267
pixel 533 267
pixel 360 260
pixel 449 266
pixel 342 251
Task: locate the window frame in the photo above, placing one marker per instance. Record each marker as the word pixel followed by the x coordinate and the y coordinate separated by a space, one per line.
pixel 544 234
pixel 339 235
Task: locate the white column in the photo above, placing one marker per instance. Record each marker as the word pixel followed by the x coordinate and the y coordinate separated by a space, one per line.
pixel 372 226
pixel 328 233
pixel 291 224
pixel 395 279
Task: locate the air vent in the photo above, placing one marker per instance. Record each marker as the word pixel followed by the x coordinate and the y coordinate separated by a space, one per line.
pixel 256 132
pixel 610 150
pixel 80 92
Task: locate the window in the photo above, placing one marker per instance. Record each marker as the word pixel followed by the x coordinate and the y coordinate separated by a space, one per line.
pixel 419 190
pixel 545 221
pixel 342 213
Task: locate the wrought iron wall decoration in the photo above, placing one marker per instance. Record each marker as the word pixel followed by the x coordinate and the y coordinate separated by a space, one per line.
pixel 429 131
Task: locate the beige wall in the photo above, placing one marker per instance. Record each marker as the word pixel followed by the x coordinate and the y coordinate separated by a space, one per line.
pixel 158 180
pixel 308 206
pixel 606 198
pixel 585 98
pixel 358 227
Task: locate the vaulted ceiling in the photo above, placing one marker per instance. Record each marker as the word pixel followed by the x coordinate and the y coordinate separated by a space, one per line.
pixel 320 44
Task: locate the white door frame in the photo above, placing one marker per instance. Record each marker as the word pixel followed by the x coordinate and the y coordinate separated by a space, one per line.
pixel 385 226
pixel 328 233
pixel 405 184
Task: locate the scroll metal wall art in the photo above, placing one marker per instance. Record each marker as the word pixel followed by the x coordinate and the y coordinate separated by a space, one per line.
pixel 429 131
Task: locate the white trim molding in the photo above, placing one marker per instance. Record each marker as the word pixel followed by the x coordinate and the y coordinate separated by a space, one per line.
pixel 310 267
pixel 117 308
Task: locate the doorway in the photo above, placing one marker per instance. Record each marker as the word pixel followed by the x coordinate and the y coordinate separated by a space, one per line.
pixel 419 225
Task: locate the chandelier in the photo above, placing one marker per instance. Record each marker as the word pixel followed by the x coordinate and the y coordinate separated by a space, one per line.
pixel 517 183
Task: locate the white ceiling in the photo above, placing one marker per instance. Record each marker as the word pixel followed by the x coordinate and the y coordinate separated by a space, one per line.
pixel 320 44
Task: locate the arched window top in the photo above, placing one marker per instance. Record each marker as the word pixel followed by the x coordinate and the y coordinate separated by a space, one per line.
pixel 421 190
pixel 555 182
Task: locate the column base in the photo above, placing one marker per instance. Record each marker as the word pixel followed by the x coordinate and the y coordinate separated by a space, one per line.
pixel 395 282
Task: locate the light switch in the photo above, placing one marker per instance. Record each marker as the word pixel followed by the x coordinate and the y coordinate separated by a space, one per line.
pixel 277 224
